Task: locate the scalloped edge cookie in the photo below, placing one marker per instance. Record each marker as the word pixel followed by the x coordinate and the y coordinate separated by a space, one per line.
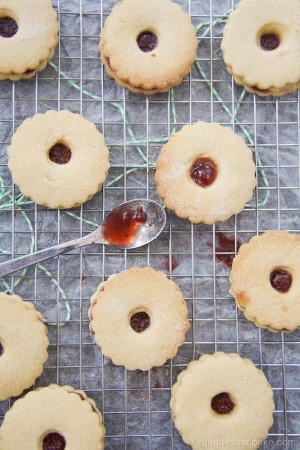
pixel 23 336
pixel 199 425
pixel 126 293
pixel 153 71
pixel 27 423
pixel 234 183
pixel 58 185
pixel 275 72
pixel 250 281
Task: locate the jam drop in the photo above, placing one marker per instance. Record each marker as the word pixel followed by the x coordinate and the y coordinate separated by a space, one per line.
pixel 226 245
pixel 204 172
pixel 121 226
pixel 1 349
pixel 54 441
pixel 140 321
pixel 170 265
pixel 260 91
pixel 281 280
pixel 147 41
pixel 8 27
pixel 60 154
pixel 222 403
pixel 269 41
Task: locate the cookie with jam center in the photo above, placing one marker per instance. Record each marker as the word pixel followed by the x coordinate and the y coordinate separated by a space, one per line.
pixel 28 37
pixel 23 345
pixel 264 280
pixel 139 318
pixel 222 401
pixel 261 46
pixel 53 418
pixel 205 173
pixel 58 159
pixel 148 47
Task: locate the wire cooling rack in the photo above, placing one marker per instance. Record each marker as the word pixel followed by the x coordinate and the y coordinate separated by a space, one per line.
pixel 135 405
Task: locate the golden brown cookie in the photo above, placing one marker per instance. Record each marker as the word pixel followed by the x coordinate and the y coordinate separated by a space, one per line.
pixel 148 47
pixel 58 159
pixel 261 46
pixel 139 318
pixel 28 37
pixel 222 401
pixel 205 173
pixel 23 345
pixel 264 280
pixel 53 417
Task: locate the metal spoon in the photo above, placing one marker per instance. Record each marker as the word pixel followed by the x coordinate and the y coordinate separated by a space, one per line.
pixel 140 232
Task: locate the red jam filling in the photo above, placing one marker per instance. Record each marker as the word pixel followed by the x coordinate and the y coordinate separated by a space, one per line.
pixel 147 41
pixel 226 244
pixel 222 403
pixel 1 349
pixel 60 154
pixel 262 91
pixel 8 27
pixel 121 227
pixel 140 321
pixel 54 441
pixel 204 172
pixel 170 264
pixel 269 41
pixel 281 280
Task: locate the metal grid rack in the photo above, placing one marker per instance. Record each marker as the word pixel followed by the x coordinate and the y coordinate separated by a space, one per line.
pixel 135 405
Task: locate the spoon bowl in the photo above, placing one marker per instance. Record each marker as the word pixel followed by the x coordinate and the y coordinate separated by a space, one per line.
pixel 132 224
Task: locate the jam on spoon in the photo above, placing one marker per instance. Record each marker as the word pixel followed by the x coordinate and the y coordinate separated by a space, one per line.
pixel 121 226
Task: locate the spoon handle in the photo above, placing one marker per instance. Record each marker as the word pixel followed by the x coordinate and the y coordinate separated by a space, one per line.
pixel 33 258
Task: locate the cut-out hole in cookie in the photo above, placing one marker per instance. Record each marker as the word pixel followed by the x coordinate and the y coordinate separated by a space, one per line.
pixel 147 41
pixel 269 41
pixel 8 27
pixel 60 154
pixel 204 172
pixel 1 349
pixel 281 280
pixel 140 321
pixel 54 441
pixel 222 403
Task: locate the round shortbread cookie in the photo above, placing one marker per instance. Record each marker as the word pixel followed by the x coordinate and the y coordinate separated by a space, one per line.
pixel 205 173
pixel 28 37
pixel 23 345
pixel 139 318
pixel 148 48
pixel 261 46
pixel 264 280
pixel 53 417
pixel 58 159
pixel 222 401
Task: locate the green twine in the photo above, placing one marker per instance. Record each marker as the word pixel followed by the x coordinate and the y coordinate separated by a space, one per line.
pixel 19 201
